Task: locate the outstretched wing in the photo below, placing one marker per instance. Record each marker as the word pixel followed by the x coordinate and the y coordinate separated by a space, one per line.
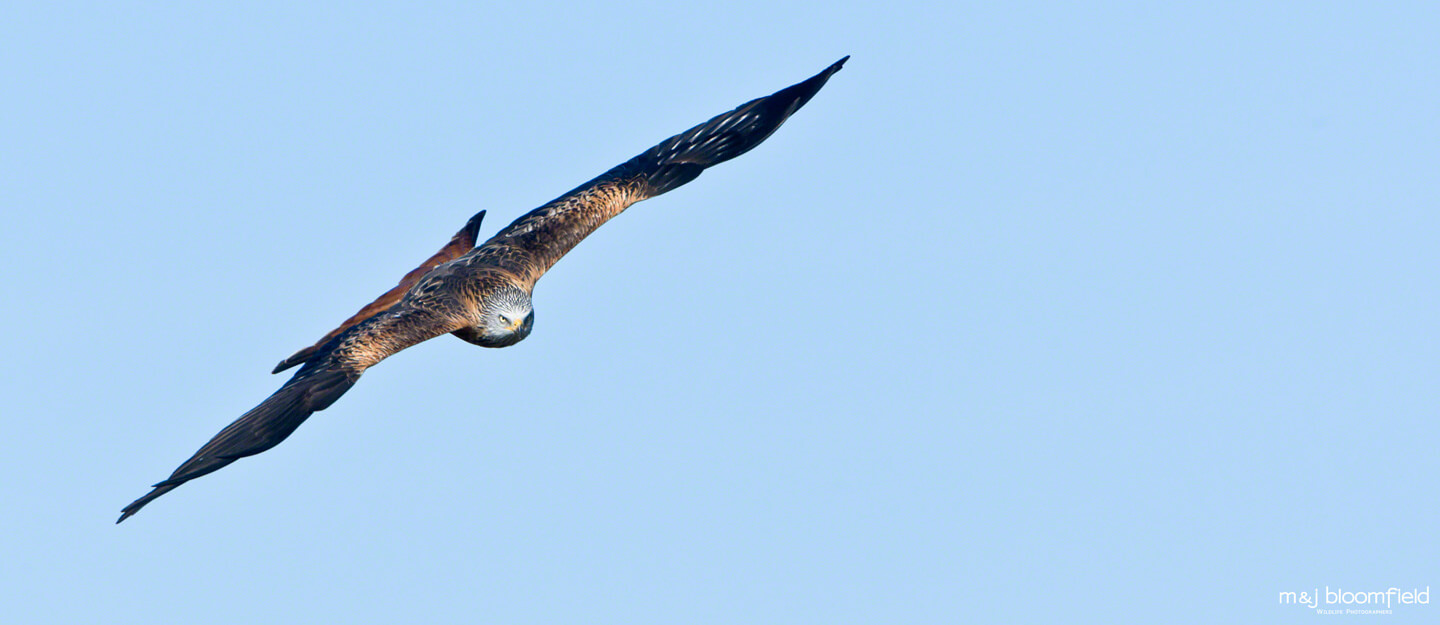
pixel 324 378
pixel 260 429
pixel 534 242
pixel 462 242
pixel 526 248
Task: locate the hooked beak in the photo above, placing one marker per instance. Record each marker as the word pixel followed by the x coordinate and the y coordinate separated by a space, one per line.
pixel 523 324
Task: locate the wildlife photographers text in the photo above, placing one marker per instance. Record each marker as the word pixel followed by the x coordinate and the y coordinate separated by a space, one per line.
pixel 1341 601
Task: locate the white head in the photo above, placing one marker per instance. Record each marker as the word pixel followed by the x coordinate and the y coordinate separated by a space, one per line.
pixel 507 318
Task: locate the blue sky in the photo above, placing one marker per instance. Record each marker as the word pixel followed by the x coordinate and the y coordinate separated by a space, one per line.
pixel 1036 313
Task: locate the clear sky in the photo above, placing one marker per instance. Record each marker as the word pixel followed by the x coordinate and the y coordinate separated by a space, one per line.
pixel 1037 313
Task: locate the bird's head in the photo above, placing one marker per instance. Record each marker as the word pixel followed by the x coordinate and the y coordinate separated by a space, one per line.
pixel 506 318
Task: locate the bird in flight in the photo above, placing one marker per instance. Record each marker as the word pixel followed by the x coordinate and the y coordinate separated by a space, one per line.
pixel 482 293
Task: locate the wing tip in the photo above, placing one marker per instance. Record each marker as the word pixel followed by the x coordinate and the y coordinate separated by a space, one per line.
pixel 807 89
pixel 125 514
pixel 135 506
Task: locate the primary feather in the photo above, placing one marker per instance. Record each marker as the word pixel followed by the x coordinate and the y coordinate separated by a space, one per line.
pixel 482 294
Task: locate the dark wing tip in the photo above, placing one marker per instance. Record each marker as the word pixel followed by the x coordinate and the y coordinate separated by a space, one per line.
pixel 135 506
pixel 797 95
pixel 263 427
pixel 681 158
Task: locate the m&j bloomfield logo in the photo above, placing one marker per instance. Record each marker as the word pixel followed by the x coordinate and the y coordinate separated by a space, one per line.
pixel 1341 601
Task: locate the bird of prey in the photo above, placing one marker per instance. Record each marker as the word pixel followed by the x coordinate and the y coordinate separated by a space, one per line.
pixel 482 293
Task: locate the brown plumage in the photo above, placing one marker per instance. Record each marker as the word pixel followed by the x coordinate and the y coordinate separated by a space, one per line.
pixel 482 294
pixel 462 242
